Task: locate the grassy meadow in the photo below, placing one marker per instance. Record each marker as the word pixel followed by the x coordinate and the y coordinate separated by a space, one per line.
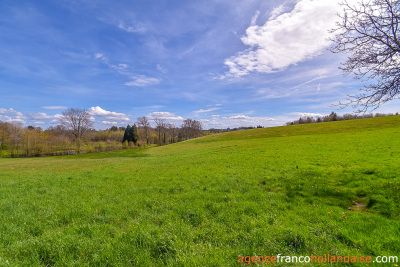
pixel 293 190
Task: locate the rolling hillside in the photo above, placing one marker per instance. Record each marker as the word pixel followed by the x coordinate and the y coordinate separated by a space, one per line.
pixel 294 190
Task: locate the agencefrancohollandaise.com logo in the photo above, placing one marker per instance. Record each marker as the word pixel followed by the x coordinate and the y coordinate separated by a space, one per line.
pixel 326 258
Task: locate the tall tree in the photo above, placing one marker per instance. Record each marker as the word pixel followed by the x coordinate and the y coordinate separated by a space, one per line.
pixel 369 33
pixel 172 133
pixel 144 126
pixel 78 122
pixel 191 129
pixel 161 129
pixel 134 134
pixel 127 134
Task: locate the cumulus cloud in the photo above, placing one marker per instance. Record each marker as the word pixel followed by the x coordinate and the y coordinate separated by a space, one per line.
pixel 56 118
pixel 285 39
pixel 11 115
pixel 109 115
pixel 142 81
pixel 164 115
pixel 10 111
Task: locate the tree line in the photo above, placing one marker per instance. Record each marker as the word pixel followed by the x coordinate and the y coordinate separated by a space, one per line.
pixel 335 117
pixel 164 133
pixel 75 134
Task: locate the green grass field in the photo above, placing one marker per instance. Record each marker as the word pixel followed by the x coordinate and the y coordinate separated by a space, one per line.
pixel 294 190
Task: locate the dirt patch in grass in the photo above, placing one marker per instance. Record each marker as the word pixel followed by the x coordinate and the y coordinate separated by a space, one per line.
pixel 359 205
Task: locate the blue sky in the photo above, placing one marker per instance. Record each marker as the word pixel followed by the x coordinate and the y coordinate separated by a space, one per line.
pixel 226 63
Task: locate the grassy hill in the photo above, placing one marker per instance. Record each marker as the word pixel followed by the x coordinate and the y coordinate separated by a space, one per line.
pixel 294 190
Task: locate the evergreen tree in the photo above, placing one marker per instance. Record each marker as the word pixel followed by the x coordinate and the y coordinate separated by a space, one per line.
pixel 333 116
pixel 134 134
pixel 127 134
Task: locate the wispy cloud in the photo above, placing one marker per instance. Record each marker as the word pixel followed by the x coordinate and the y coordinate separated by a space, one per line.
pixel 240 120
pixel 273 94
pixel 142 81
pixel 255 17
pixel 54 107
pixel 136 79
pixel 205 110
pixel 277 11
pixel 132 28
pixel 161 69
pixel 106 61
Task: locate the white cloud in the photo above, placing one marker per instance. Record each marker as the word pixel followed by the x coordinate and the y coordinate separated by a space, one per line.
pixel 39 116
pixel 42 118
pixel 221 122
pixel 109 115
pixel 54 107
pixel 255 17
pixel 267 93
pixel 142 81
pixel 164 115
pixel 11 115
pixel 123 69
pixel 106 61
pixel 239 117
pixel 10 111
pixel 307 114
pixel 100 56
pixel 57 118
pixel 17 120
pixel 277 11
pixel 205 110
pixel 285 39
pixel 120 66
pixel 109 123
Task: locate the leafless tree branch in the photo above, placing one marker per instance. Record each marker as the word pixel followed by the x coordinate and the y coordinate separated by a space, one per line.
pixel 368 33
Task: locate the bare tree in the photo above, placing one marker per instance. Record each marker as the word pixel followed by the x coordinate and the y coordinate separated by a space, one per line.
pixel 15 130
pixel 191 129
pixel 369 32
pixel 78 122
pixel 172 133
pixel 144 128
pixel 161 130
